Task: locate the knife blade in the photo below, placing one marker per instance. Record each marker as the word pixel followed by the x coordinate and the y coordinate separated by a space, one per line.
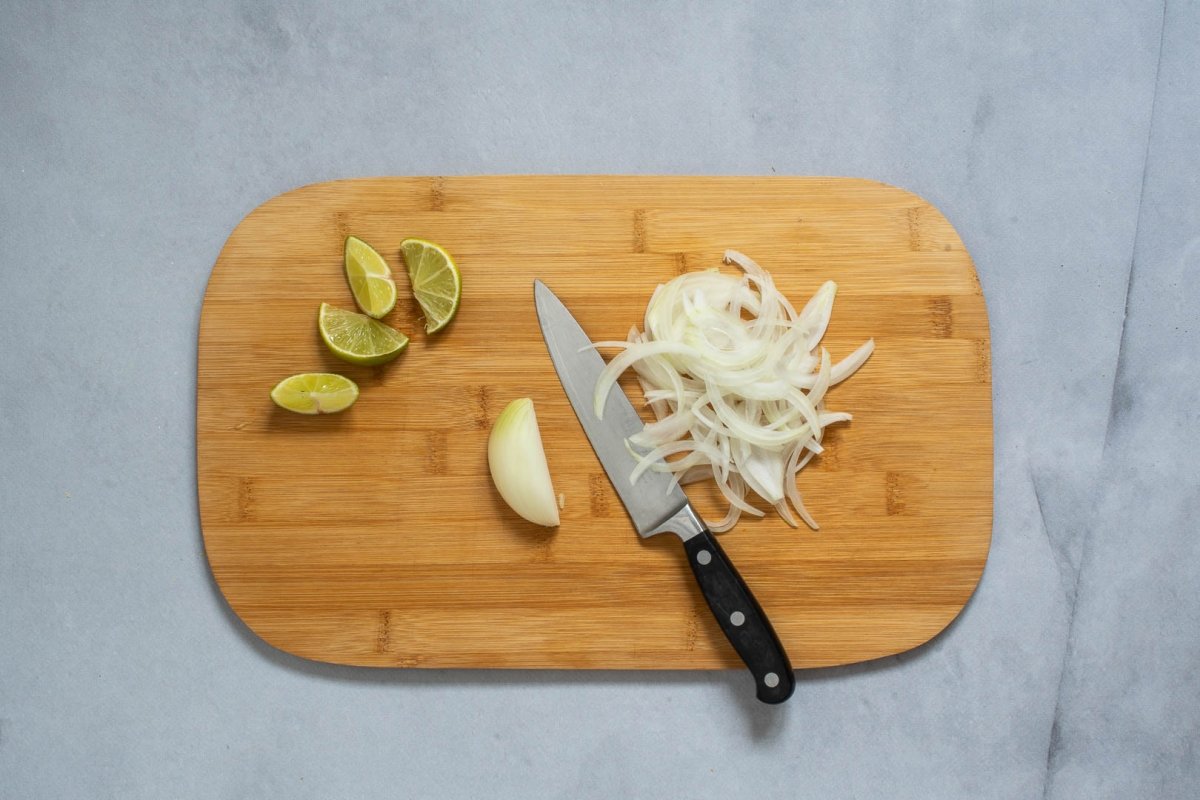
pixel 657 505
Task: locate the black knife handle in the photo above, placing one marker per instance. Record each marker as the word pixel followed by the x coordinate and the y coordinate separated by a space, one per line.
pixel 741 618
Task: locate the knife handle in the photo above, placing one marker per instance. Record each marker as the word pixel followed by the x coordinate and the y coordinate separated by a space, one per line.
pixel 741 618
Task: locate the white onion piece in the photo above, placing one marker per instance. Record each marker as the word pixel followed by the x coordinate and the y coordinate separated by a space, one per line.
pixel 517 462
pixel 635 352
pixel 658 453
pixel 737 381
pixel 850 364
pixel 815 316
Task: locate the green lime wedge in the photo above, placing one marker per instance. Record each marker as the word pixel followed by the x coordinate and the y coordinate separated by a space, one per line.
pixel 357 338
pixel 436 283
pixel 315 393
pixel 370 279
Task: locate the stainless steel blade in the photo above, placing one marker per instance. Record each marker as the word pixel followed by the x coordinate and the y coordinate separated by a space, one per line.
pixel 654 504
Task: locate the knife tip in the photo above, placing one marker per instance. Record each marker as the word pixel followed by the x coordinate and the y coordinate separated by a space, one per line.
pixel 540 291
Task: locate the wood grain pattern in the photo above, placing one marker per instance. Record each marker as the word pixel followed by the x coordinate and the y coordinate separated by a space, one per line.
pixel 374 537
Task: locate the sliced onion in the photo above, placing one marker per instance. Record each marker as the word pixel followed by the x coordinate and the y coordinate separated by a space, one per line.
pixel 850 364
pixel 634 353
pixel 737 381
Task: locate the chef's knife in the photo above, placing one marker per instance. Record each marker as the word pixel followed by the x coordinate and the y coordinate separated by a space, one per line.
pixel 656 505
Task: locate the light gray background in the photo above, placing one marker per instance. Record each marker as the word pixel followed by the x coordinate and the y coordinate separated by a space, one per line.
pixel 1059 138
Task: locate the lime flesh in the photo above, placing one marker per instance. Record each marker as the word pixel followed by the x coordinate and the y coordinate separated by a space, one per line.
pixel 436 282
pixel 358 338
pixel 315 393
pixel 370 278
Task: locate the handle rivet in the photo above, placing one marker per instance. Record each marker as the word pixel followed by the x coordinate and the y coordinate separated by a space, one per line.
pixel 703 557
pixel 737 618
pixel 771 680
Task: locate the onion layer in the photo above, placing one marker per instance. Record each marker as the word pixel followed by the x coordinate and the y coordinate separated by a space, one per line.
pixel 517 462
pixel 737 381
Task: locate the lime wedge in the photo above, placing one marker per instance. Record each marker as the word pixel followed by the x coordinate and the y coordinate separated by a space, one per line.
pixel 357 338
pixel 315 393
pixel 370 279
pixel 436 283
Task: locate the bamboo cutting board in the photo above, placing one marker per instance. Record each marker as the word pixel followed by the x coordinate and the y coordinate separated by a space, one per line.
pixel 375 537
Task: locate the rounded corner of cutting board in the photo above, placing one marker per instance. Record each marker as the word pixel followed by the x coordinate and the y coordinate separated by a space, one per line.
pixel 908 194
pixel 913 199
pixel 952 617
pixel 280 645
pixel 920 200
pixel 287 195
pixel 898 647
pixel 246 621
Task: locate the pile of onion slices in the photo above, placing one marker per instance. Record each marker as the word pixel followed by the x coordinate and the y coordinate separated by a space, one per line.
pixel 737 379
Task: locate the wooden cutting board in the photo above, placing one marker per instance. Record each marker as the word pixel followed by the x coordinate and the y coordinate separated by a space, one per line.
pixel 375 537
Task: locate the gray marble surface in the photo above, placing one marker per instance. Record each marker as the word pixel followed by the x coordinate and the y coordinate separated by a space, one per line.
pixel 1060 139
